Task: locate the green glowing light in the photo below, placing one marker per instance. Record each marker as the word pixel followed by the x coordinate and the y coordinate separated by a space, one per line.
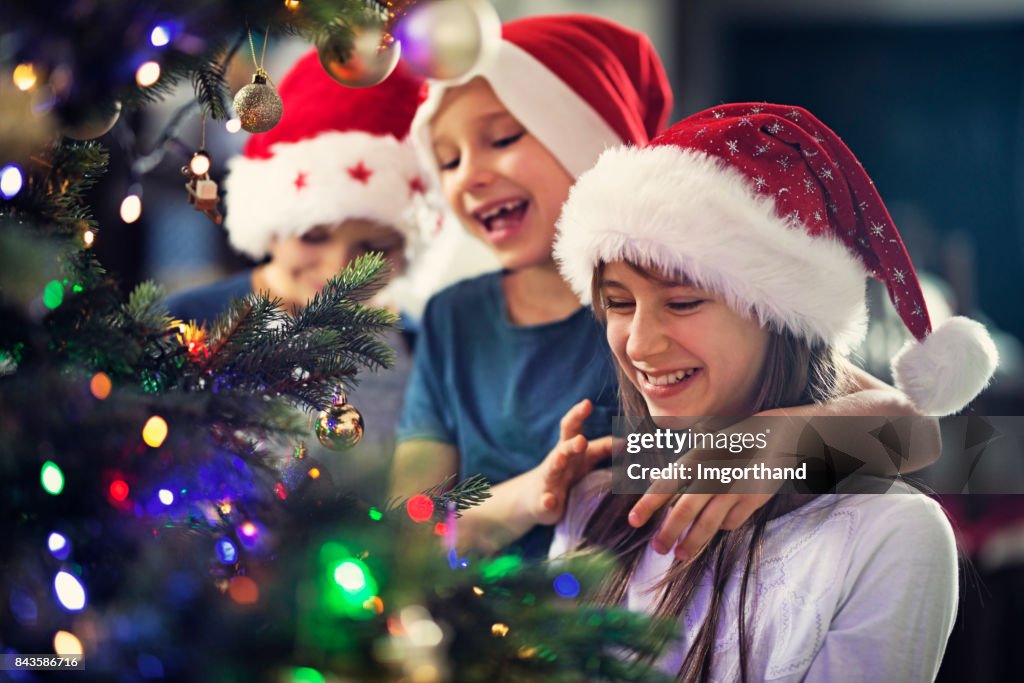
pixel 376 515
pixel 304 674
pixel 53 295
pixel 501 567
pixel 52 478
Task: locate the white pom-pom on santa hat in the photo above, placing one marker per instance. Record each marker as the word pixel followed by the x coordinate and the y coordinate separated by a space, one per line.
pixel 945 371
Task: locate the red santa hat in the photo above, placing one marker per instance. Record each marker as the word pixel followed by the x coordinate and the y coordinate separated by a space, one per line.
pixel 765 205
pixel 338 153
pixel 578 83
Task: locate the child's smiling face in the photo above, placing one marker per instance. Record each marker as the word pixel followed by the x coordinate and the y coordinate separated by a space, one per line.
pixel 682 347
pixel 501 182
pixel 300 265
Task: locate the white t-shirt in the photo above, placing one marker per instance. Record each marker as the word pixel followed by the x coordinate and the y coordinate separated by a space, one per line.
pixel 857 587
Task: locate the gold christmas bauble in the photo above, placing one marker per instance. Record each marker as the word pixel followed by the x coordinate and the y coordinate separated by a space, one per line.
pixel 359 59
pixel 258 105
pixel 339 426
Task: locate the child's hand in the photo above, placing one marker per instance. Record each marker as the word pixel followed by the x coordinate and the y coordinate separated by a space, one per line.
pixel 695 518
pixel 568 462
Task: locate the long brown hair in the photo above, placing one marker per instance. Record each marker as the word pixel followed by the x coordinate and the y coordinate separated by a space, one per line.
pixel 794 373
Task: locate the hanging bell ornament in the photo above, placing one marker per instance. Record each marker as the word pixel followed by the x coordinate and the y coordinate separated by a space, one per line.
pixel 258 105
pixel 359 54
pixel 339 426
pixel 447 38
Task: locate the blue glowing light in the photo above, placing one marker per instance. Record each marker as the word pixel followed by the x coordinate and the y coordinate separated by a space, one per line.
pixel 226 552
pixel 58 545
pixel 567 586
pixel 160 35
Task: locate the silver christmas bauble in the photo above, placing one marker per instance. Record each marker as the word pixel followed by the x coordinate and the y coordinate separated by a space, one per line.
pixel 258 105
pixel 445 39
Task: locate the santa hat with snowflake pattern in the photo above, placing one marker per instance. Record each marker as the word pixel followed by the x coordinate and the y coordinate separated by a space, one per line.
pixel 578 83
pixel 766 206
pixel 338 153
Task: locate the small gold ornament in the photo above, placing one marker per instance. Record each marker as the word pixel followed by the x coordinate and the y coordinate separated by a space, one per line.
pixel 358 54
pixel 258 105
pixel 339 426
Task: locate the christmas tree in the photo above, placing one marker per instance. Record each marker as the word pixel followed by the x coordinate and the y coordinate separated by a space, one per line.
pixel 162 516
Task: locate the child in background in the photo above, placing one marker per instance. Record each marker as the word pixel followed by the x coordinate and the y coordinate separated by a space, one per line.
pixel 735 256
pixel 336 178
pixel 502 356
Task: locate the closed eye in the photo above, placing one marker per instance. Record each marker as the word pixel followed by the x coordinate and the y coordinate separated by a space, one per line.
pixel 685 305
pixel 449 165
pixel 612 304
pixel 509 140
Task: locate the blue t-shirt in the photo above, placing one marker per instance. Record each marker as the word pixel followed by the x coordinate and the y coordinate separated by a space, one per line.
pixel 378 395
pixel 204 304
pixel 497 391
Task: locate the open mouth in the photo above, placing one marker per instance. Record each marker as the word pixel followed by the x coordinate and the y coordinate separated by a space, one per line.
pixel 502 216
pixel 667 380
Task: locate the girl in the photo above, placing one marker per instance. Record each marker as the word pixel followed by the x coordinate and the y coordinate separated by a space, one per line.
pixel 501 356
pixel 730 275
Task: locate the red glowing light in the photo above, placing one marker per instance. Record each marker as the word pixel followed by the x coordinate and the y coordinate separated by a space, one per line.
pixel 119 490
pixel 420 508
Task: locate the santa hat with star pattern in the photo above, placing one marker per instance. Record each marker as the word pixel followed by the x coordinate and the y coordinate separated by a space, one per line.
pixel 578 83
pixel 766 206
pixel 337 153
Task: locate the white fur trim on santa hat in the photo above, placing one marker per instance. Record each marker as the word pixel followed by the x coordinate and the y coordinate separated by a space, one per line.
pixel 552 111
pixel 944 373
pixel 262 201
pixel 685 212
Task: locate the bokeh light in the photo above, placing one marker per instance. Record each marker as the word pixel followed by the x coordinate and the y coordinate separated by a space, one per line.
pixel 200 163
pixel 420 508
pixel 233 125
pixel 567 585
pixel 226 551
pixel 166 496
pixel 58 545
pixel 70 591
pixel 147 74
pixel 160 35
pixel 53 294
pixel 131 208
pixel 11 180
pixel 52 478
pixel 100 385
pixel 119 490
pixel 88 237
pixel 243 590
pixel 66 643
pixel 499 629
pixel 304 674
pixel 24 77
pixel 155 431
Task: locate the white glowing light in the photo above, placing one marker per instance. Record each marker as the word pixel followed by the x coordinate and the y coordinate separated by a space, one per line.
pixel 131 208
pixel 70 591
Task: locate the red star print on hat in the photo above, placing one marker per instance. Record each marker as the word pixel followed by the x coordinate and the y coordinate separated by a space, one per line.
pixel 338 153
